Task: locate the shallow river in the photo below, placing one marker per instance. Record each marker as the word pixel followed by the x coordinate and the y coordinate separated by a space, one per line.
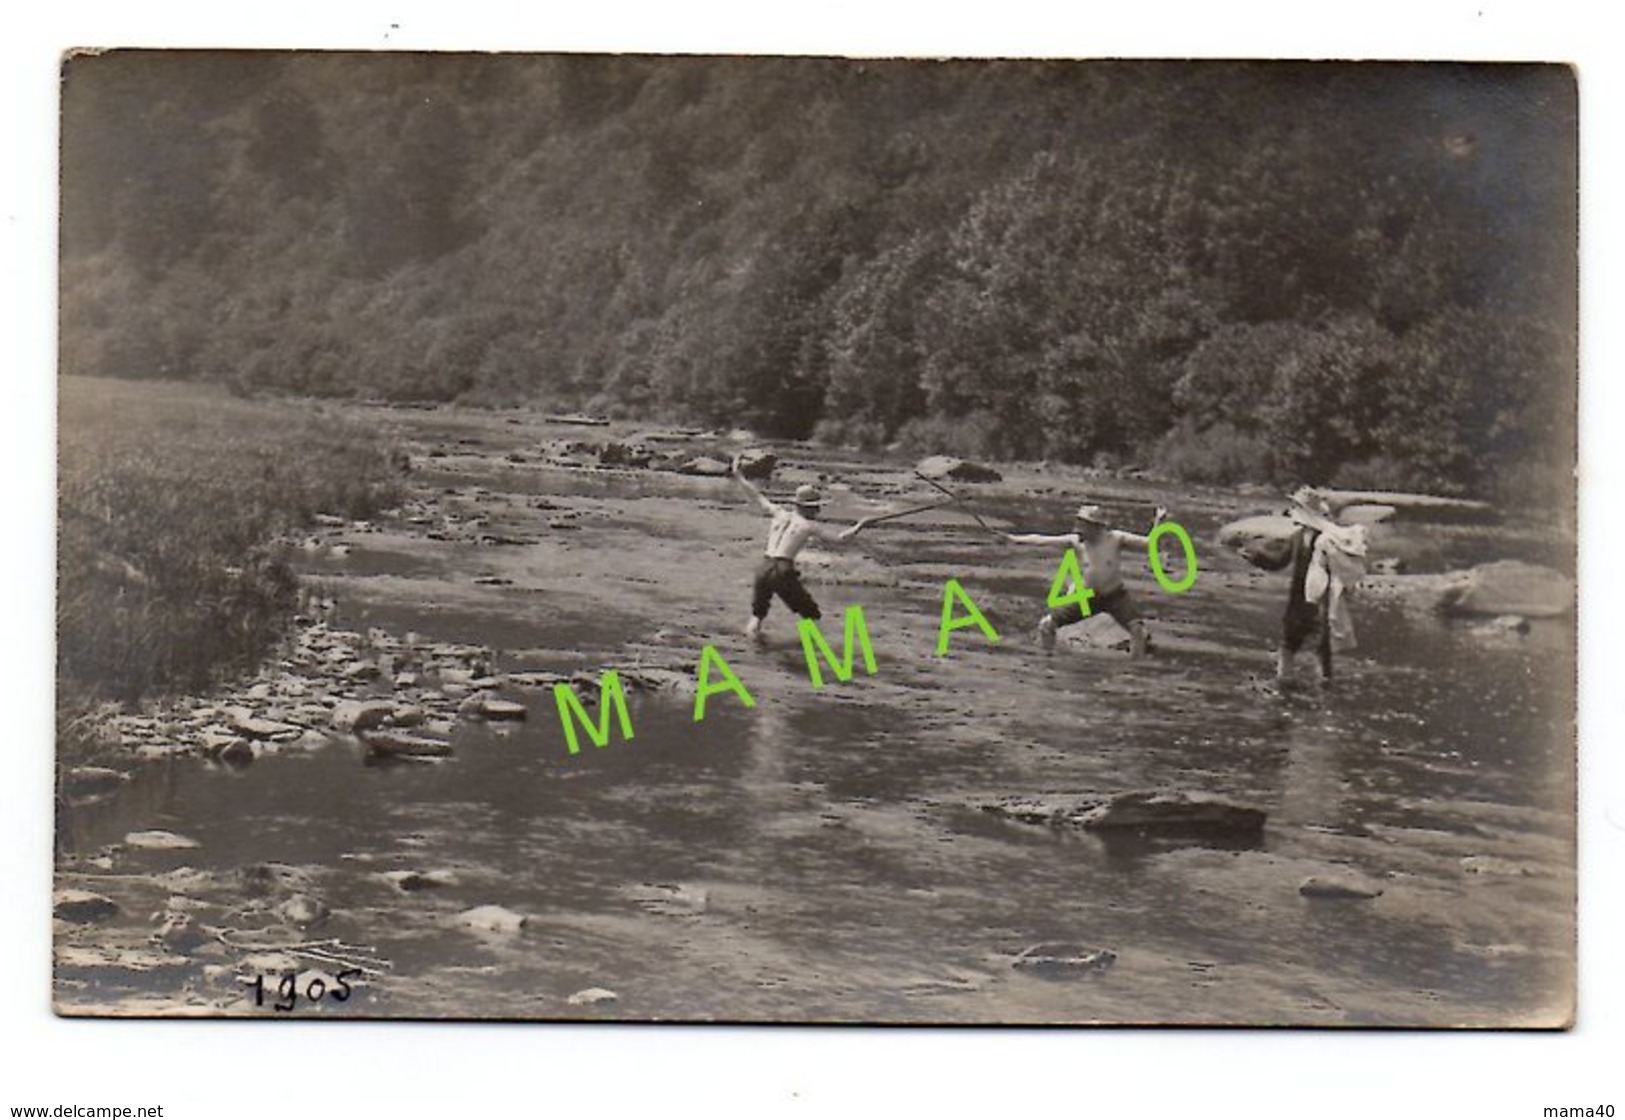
pixel 823 856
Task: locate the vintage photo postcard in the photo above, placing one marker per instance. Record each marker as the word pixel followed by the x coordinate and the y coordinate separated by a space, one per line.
pixel 816 540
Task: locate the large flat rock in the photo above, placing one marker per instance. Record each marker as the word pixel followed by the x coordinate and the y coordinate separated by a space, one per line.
pixel 1508 587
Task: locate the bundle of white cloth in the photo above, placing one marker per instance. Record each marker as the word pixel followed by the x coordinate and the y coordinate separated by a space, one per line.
pixel 1335 569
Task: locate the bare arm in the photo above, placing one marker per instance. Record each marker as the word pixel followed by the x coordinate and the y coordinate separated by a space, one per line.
pixel 848 534
pixel 1137 538
pixel 752 489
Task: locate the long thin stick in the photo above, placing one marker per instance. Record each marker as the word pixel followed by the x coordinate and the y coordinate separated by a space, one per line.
pixel 934 483
pixel 906 512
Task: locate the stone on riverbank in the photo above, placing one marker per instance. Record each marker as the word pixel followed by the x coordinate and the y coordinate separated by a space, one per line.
pixel 361 715
pixel 244 722
pixel 390 744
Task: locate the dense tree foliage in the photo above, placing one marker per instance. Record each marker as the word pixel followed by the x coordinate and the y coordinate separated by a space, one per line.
pixel 1339 273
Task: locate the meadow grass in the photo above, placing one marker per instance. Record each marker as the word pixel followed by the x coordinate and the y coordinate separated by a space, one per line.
pixel 174 502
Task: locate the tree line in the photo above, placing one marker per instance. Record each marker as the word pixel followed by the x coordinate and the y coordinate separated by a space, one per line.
pixel 1360 274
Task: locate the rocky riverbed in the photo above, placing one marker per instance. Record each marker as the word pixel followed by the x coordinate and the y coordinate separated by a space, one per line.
pixel 389 808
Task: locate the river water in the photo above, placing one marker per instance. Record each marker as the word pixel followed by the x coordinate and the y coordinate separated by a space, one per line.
pixel 824 855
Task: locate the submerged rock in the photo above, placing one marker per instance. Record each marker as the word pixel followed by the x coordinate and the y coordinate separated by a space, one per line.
pixel 159 840
pixel 82 907
pixel 1508 587
pixel 1337 887
pixel 420 880
pixel 1144 812
pixel 87 781
pixel 301 910
pixel 492 919
pixel 586 997
pixel 491 708
pixel 1058 960
pixel 1172 812
pixel 939 467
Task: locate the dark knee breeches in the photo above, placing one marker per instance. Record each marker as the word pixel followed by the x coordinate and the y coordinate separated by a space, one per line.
pixel 779 577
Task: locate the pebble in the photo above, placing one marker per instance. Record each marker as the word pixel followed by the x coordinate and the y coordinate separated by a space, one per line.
pixel 586 997
pixel 73 905
pixel 1338 888
pixel 492 919
pixel 159 840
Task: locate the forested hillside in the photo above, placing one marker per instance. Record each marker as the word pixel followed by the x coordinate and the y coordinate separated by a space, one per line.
pixel 1276 272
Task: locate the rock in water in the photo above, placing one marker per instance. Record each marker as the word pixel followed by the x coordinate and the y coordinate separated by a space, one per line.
pixel 492 919
pixel 1097 630
pixel 586 997
pixel 421 880
pixel 158 840
pixel 706 466
pixel 1509 587
pixel 1172 814
pixel 82 906
pixel 939 467
pixel 87 781
pixel 758 465
pixel 617 454
pixel 301 910
pixel 1264 541
pixel 393 744
pixel 1058 960
pixel 1317 886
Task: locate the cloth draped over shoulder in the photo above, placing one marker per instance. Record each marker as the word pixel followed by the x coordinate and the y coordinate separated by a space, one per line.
pixel 1335 569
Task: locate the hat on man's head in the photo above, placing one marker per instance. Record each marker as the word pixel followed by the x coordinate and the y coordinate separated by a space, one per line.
pixel 1091 514
pixel 807 495
pixel 1311 499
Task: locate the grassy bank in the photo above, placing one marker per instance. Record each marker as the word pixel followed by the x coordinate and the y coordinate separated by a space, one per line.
pixel 171 502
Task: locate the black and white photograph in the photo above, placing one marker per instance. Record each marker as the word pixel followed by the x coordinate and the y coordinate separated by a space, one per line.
pixel 593 536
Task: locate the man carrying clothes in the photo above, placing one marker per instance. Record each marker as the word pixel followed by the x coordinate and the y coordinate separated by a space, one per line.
pixel 1327 562
pixel 1099 548
pixel 787 534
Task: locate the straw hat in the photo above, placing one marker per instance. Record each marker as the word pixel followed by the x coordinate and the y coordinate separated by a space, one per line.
pixel 807 495
pixel 1311 499
pixel 1091 514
